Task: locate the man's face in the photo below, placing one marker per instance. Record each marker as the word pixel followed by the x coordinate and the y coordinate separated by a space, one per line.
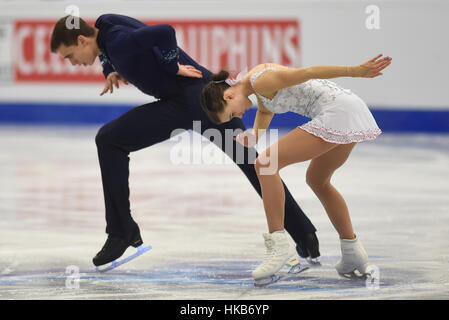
pixel 80 54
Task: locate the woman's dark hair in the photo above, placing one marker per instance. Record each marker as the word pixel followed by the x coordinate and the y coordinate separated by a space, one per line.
pixel 69 36
pixel 212 96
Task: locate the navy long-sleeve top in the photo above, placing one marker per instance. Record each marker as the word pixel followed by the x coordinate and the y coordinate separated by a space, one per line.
pixel 146 56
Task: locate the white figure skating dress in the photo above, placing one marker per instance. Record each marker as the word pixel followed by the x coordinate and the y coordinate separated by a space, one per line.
pixel 338 115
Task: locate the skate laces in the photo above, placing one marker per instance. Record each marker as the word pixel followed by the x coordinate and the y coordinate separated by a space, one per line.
pixel 271 254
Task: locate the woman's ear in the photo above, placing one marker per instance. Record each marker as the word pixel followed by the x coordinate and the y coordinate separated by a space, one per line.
pixel 228 95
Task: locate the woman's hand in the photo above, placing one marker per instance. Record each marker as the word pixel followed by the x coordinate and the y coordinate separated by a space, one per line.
pixel 189 71
pixel 246 138
pixel 372 68
pixel 112 79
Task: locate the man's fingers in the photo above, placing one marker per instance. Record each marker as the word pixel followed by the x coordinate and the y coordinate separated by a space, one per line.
pixel 105 89
pixel 110 82
pixel 114 81
pixel 123 80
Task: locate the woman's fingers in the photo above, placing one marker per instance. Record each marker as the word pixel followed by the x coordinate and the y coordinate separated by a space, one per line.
pixel 193 69
pixel 376 57
pixel 378 66
pixel 189 71
pixel 247 139
pixel 385 60
pixel 195 73
pixel 383 65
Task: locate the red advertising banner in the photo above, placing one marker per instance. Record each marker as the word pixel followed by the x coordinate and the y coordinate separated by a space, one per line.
pixel 229 44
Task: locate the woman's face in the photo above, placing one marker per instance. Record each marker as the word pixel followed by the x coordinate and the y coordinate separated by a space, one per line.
pixel 236 105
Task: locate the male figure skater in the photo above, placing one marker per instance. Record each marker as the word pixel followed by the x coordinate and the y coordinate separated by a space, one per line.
pixel 149 58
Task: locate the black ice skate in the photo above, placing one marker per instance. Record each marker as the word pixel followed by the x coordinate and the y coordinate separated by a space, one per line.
pixel 308 248
pixel 114 249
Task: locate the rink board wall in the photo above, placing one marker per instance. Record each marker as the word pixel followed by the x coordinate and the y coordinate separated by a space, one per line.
pixel 38 87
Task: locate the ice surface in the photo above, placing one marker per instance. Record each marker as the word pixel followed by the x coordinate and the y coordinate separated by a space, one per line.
pixel 205 222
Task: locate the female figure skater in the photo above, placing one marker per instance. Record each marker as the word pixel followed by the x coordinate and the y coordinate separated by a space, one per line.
pixel 340 119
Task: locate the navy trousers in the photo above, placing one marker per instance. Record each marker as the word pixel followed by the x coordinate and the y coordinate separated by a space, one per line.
pixel 152 123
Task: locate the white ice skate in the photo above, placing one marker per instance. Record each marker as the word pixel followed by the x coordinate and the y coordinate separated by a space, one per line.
pixel 354 257
pixel 278 253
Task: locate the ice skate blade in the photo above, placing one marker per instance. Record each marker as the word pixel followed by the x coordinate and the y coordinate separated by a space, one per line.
pixel 266 281
pixel 297 269
pixel 114 264
pixel 292 262
pixel 295 266
pixel 313 261
pixel 354 276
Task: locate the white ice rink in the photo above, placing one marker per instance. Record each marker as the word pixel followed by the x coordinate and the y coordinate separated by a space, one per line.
pixel 205 222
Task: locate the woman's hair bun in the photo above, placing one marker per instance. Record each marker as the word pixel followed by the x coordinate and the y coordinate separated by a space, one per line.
pixel 222 75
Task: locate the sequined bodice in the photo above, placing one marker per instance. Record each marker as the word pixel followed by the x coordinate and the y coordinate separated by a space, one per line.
pixel 307 98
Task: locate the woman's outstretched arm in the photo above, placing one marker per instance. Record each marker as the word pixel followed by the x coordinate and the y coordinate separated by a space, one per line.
pixel 273 80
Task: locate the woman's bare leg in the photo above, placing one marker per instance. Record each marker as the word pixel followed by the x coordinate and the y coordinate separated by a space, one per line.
pixel 296 146
pixel 319 176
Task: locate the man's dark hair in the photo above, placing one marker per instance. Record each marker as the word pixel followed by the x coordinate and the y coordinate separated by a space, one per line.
pixel 69 35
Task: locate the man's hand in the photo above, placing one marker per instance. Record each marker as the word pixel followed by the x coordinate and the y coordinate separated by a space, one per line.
pixel 112 79
pixel 189 71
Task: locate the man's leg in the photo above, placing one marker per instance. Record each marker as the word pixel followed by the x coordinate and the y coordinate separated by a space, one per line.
pixel 139 128
pixel 296 222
